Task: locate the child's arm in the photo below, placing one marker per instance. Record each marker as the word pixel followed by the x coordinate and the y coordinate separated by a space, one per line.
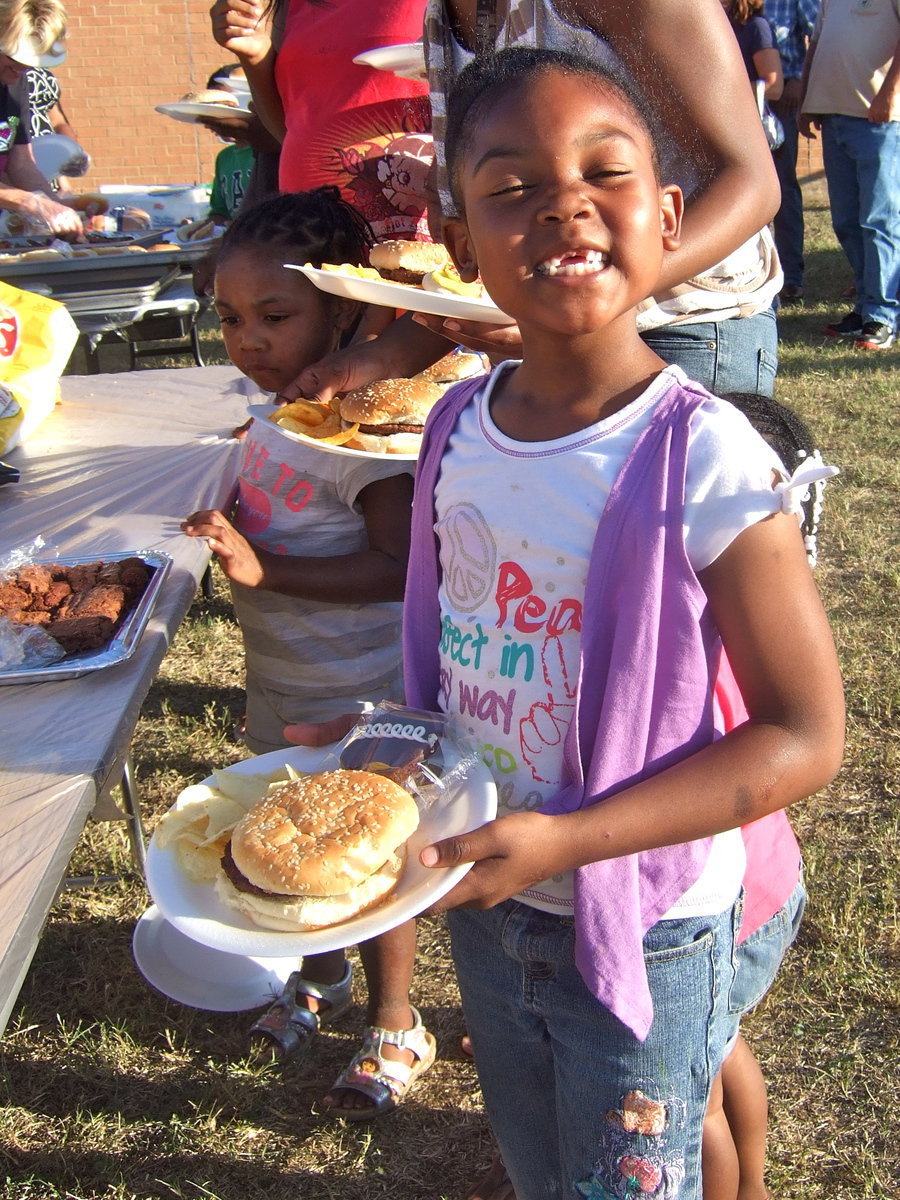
pixel 365 577
pixel 779 643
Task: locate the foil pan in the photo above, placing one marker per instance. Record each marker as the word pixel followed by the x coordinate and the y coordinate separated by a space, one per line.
pixel 126 638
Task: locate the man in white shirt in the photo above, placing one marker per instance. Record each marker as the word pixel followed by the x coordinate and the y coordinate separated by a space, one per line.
pixel 852 96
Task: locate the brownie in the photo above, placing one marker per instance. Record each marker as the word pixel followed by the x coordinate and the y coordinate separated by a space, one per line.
pixel 80 605
pixel 12 599
pixel 35 579
pixel 82 633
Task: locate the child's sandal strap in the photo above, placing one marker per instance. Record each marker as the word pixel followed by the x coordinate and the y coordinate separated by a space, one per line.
pixel 382 1080
pixel 288 1027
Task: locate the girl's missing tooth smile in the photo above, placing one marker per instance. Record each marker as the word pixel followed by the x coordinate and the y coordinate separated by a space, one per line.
pixel 563 215
pixel 573 263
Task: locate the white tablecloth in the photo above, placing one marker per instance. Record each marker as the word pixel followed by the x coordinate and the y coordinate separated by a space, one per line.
pixel 117 466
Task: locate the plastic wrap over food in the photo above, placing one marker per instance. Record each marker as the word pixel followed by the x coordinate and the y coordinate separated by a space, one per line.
pixel 425 752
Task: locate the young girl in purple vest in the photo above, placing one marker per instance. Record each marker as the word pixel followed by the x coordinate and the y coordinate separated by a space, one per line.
pixel 590 530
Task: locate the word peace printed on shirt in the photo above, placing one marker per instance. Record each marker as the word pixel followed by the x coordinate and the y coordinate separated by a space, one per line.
pixel 509 657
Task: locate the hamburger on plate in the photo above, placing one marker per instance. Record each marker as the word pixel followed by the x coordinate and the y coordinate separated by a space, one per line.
pixel 212 96
pixel 407 262
pixel 390 414
pixel 318 851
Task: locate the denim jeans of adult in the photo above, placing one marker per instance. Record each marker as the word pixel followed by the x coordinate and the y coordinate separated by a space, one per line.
pixel 736 355
pixel 787 226
pixel 579 1105
pixel 862 169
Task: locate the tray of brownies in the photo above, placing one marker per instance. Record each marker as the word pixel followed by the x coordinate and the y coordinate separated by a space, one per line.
pixel 67 617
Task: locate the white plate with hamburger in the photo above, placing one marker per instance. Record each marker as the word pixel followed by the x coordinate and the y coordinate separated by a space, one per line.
pixel 193 111
pixel 264 412
pixel 385 292
pixel 200 976
pixel 406 60
pixel 197 910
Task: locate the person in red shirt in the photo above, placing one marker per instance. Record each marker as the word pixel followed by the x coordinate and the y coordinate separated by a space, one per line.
pixel 365 130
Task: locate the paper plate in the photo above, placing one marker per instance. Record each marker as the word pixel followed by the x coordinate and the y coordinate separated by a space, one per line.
pixel 400 295
pixel 54 151
pixel 186 110
pixel 406 60
pixel 200 976
pixel 197 912
pixel 262 412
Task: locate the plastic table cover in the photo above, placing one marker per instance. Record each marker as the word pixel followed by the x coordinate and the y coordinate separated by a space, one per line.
pixel 117 466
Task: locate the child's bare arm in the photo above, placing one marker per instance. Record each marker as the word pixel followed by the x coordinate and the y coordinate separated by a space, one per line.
pixel 779 643
pixel 365 577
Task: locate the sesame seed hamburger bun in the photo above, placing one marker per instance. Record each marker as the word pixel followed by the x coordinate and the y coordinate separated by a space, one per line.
pixel 318 851
pixel 407 262
pixel 391 414
pixel 455 367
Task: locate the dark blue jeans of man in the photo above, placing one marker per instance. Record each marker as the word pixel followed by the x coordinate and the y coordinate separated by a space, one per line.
pixel 788 224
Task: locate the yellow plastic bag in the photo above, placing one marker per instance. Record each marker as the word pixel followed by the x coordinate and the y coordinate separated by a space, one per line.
pixel 37 337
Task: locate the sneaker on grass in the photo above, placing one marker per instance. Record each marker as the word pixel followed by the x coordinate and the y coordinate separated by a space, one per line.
pixel 850 325
pixel 875 336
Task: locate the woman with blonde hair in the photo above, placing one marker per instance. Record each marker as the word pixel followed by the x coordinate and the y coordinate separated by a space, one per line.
pixel 31 33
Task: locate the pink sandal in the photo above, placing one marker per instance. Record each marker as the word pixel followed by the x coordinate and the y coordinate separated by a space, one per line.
pixel 380 1079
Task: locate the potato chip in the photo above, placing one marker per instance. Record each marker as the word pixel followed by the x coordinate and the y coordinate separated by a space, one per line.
pixel 307 412
pixel 247 790
pixel 351 269
pixel 222 815
pixel 200 863
pixel 190 817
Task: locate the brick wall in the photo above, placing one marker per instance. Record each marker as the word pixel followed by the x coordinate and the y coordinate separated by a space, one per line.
pixel 125 57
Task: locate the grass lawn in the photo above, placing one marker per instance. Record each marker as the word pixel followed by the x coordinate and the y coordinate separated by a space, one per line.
pixel 110 1090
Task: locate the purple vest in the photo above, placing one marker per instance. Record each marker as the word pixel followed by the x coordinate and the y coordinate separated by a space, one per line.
pixel 649 656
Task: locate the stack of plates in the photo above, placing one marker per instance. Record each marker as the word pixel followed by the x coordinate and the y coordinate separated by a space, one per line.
pixel 201 977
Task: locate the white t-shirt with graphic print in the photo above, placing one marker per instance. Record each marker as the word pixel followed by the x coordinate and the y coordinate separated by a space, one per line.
pixel 514 562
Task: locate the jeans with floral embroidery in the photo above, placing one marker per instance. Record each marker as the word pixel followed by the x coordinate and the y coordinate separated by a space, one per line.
pixel 579 1106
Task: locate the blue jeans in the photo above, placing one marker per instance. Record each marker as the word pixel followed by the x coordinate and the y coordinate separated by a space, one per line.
pixel 787 226
pixel 579 1106
pixel 737 355
pixel 862 168
pixel 758 958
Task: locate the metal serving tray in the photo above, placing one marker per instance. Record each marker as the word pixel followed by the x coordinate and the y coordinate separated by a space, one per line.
pixel 125 269
pixel 126 639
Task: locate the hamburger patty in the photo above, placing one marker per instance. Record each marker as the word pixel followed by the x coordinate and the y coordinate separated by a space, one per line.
pixel 237 878
pixel 387 430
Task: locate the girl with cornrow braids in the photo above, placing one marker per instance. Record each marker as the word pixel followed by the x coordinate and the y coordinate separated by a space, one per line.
pixel 315 549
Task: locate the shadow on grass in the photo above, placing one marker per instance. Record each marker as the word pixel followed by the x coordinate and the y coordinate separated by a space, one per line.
pixel 135 1088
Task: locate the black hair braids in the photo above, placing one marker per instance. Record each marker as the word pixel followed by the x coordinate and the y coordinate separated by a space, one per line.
pixel 791 439
pixel 317 226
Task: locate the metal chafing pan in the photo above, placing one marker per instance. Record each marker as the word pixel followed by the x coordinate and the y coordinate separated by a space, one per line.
pixel 128 269
pixel 126 639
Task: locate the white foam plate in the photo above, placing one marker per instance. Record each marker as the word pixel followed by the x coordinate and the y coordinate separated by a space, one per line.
pixel 53 152
pixel 262 412
pixel 186 110
pixel 400 295
pixel 406 60
pixel 200 976
pixel 197 912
